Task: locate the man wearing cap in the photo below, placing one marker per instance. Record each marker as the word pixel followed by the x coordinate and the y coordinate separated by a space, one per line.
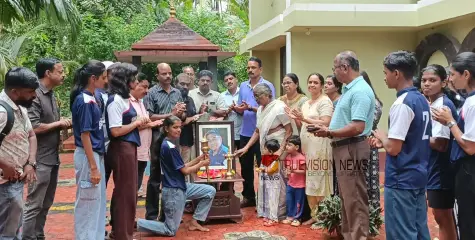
pixel 216 148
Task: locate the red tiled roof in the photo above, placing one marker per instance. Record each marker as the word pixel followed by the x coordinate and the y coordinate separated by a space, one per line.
pixel 174 35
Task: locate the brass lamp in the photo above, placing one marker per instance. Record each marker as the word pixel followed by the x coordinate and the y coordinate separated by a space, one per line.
pixel 205 149
pixel 229 157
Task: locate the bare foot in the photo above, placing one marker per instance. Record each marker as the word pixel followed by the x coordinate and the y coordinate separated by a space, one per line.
pixel 309 222
pixel 195 226
pixel 314 227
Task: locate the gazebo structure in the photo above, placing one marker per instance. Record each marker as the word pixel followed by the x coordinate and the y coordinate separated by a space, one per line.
pixel 174 42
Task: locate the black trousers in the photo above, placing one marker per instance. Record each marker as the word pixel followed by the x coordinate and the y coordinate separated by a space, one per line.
pixel 141 167
pixel 247 167
pixel 465 195
pixel 152 199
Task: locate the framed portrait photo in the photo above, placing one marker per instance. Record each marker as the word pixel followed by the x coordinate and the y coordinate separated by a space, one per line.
pixel 220 138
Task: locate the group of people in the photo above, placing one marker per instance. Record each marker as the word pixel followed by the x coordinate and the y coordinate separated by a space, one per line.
pixel 304 148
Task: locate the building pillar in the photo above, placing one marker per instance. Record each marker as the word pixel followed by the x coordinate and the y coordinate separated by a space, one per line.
pixel 213 67
pixel 202 66
pixel 137 61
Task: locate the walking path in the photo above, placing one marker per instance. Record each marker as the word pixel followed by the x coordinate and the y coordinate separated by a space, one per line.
pixel 60 219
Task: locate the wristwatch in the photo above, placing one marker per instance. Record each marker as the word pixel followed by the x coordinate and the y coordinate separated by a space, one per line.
pixel 451 124
pixel 33 165
pixel 329 134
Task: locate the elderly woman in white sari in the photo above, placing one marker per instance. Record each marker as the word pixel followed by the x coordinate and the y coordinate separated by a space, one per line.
pixel 272 123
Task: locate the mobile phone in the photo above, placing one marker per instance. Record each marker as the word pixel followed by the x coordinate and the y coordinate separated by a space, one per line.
pixel 311 128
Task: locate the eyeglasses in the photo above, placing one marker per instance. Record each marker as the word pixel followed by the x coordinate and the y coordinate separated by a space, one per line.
pixel 336 67
pixel 213 139
pixel 287 83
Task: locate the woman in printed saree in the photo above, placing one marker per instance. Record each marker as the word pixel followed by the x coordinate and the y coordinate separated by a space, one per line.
pixel 333 90
pixel 272 123
pixel 372 173
pixel 317 150
pixel 294 97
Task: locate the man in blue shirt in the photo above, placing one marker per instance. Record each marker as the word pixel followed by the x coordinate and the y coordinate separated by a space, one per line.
pixel 247 106
pixel 349 127
pixel 407 151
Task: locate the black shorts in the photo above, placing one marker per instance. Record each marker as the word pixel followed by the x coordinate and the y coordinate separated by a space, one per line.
pixel 441 198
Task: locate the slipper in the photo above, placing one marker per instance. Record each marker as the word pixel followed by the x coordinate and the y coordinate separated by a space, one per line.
pixel 287 221
pixel 295 223
pixel 270 223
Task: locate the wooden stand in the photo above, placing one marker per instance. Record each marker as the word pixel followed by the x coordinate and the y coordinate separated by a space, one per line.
pixel 225 204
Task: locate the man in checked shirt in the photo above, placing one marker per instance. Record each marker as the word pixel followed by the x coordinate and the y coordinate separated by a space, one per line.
pixel 162 101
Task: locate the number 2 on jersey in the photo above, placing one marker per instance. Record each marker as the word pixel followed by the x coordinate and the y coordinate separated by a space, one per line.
pixel 426 119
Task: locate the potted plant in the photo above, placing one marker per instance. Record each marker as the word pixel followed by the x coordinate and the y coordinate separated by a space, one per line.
pixel 375 220
pixel 328 216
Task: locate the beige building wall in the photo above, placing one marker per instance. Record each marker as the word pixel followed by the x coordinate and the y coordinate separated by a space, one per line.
pixel 270 66
pixel 265 11
pixel 457 29
pixel 357 1
pixel 315 53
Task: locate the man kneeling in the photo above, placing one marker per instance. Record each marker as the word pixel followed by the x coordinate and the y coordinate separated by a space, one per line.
pixel 175 190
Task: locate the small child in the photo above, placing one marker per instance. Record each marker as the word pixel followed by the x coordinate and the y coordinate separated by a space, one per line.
pixel 295 170
pixel 271 193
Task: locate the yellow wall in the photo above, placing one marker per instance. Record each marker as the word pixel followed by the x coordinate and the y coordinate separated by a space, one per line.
pixel 263 11
pixel 271 66
pixel 457 29
pixel 315 53
pixel 438 58
pixel 357 1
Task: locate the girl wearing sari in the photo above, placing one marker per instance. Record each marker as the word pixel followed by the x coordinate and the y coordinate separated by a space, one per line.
pixel 317 150
pixel 272 123
pixel 294 97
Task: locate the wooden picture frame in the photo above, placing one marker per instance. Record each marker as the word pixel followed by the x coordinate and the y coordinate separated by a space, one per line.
pixel 220 136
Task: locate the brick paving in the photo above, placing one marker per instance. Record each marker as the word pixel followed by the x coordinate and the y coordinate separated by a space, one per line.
pixel 60 219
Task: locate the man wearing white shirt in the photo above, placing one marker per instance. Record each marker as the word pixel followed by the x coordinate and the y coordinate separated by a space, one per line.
pixel 231 97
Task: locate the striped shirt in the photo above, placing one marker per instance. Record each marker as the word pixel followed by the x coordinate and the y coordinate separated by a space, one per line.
pixel 158 101
pixel 356 104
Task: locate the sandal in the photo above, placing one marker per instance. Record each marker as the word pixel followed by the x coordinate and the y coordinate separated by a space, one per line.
pixel 287 221
pixel 270 223
pixel 295 223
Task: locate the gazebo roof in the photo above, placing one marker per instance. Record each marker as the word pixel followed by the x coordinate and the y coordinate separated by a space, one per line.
pixel 174 35
pixel 173 42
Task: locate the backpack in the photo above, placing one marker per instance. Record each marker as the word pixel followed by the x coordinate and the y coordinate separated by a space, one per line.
pixel 10 120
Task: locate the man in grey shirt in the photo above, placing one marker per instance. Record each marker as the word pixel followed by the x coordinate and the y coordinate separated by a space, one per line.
pixel 45 119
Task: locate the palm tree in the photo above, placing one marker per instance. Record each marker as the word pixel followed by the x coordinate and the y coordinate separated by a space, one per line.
pixel 239 8
pixel 11 11
pixel 63 11
pixel 10 45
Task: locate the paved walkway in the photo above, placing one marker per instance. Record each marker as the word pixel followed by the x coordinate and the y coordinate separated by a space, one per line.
pixel 60 219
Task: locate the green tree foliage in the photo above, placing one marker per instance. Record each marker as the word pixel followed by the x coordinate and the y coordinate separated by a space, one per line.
pixel 19 11
pixel 108 26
